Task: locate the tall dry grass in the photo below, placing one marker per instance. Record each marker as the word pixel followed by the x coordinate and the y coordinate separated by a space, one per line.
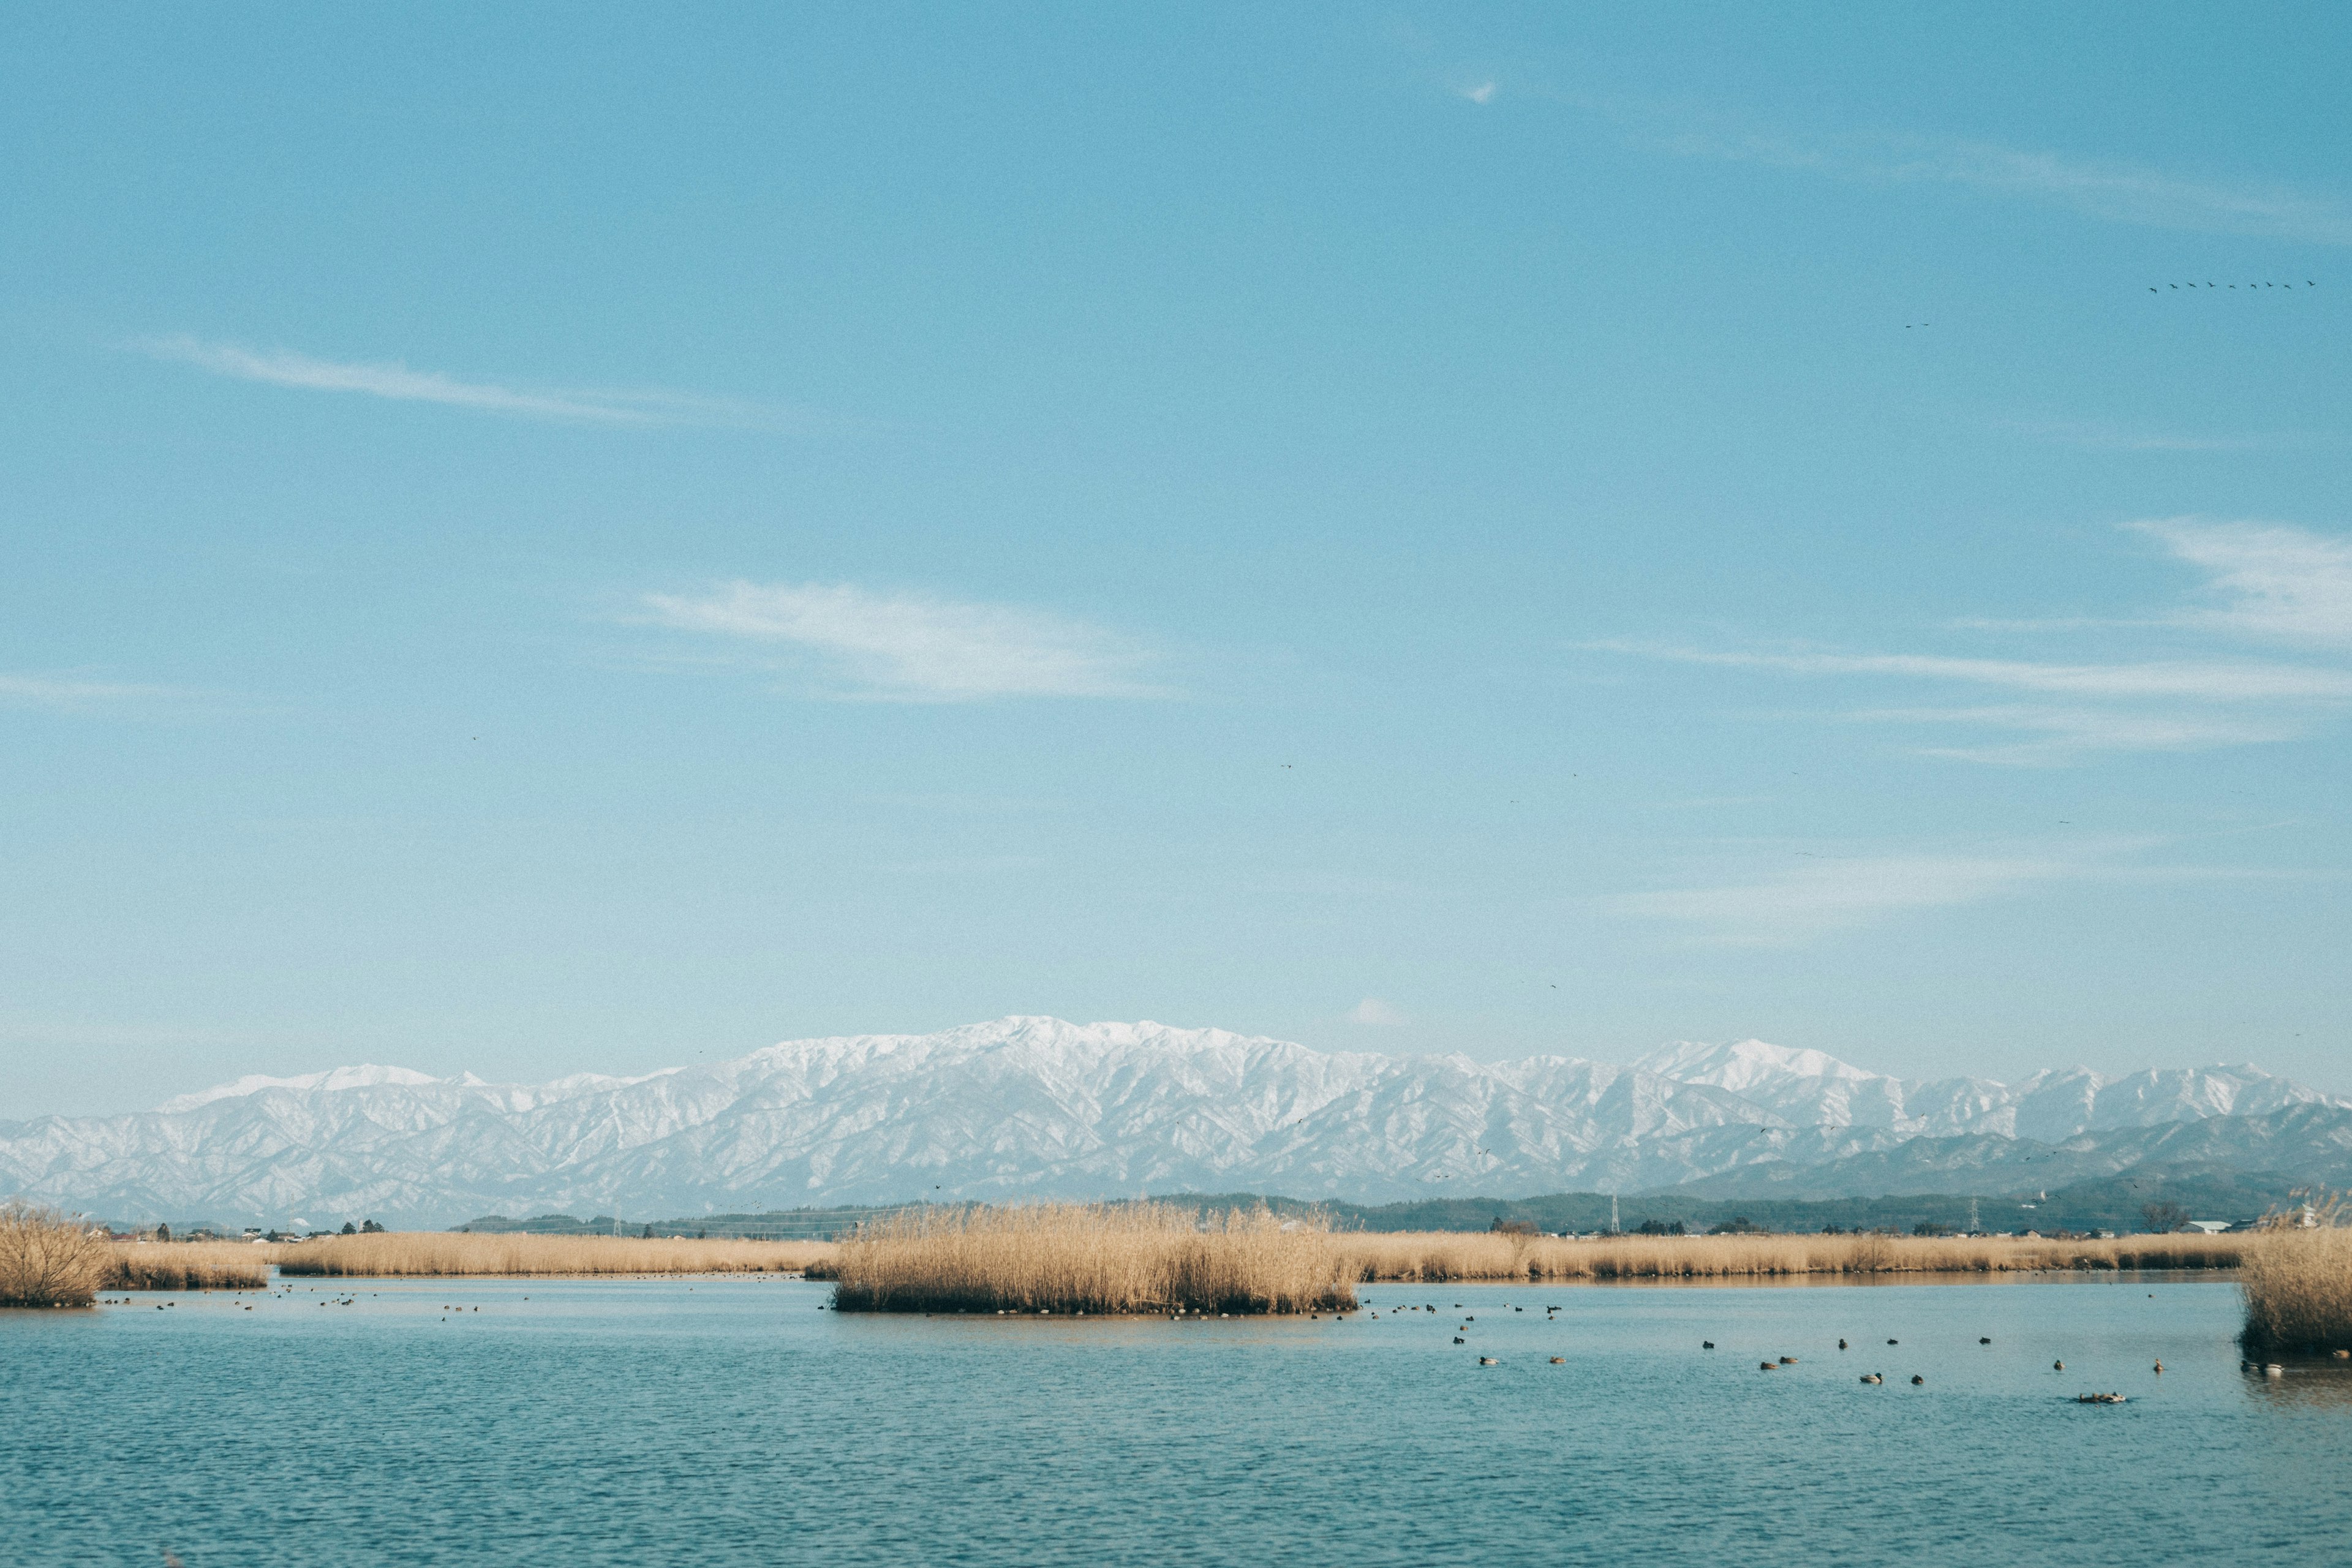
pixel 2298 1289
pixel 47 1258
pixel 186 1266
pixel 1091 1257
pixel 515 1253
pixel 1444 1254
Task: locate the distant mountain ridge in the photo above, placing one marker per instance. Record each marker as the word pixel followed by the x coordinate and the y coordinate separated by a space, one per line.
pixel 1037 1106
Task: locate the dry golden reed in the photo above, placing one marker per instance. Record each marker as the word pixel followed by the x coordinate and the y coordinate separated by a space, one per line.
pixel 1091 1257
pixel 445 1252
pixel 186 1266
pixel 2298 1289
pixel 1448 1255
pixel 47 1258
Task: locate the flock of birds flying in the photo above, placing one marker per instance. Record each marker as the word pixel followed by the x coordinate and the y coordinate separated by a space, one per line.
pixel 2308 283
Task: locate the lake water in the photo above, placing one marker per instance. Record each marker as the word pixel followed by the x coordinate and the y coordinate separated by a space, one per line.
pixel 733 1422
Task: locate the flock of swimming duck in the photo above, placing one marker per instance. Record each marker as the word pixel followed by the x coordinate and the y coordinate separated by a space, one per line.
pixel 2270 1369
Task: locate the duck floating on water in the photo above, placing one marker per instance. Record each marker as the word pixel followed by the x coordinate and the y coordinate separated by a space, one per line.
pixel 1871 1377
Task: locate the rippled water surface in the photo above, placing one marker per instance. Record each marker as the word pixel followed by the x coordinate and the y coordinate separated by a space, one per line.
pixel 733 1422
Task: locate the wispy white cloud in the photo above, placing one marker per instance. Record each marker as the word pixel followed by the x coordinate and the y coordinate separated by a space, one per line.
pixel 395 381
pixel 2277 583
pixel 1823 893
pixel 1479 92
pixel 1373 1011
pixel 75 694
pixel 918 647
pixel 1791 908
pixel 2270 582
pixel 2114 190
pixel 2208 680
pixel 2103 435
pixel 2058 734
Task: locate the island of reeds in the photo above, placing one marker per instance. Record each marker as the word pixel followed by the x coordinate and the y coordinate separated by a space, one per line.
pixel 1098 1259
pixel 2298 1283
pixel 517 1253
pixel 1438 1256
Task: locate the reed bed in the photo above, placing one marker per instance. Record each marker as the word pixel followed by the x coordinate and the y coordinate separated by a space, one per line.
pixel 515 1253
pixel 2298 1290
pixel 1441 1254
pixel 1057 1257
pixel 186 1266
pixel 49 1259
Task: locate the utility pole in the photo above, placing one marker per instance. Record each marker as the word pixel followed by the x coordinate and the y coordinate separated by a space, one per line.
pixel 1615 1229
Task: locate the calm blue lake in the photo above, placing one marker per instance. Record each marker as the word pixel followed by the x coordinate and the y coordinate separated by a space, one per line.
pixel 734 1422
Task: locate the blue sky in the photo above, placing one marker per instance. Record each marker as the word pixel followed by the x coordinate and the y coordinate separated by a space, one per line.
pixel 546 543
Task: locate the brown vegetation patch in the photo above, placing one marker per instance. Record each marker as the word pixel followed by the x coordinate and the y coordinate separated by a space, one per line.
pixel 516 1253
pixel 47 1258
pixel 1093 1259
pixel 186 1266
pixel 2298 1289
pixel 1434 1256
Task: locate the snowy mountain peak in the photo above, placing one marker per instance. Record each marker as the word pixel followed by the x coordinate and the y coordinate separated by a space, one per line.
pixel 330 1081
pixel 1745 1063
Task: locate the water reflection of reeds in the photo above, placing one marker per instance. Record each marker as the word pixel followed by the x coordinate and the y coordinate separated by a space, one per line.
pixel 2312 1382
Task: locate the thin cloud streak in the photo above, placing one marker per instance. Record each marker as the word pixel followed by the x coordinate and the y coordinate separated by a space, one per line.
pixel 1788 909
pixel 2066 734
pixel 396 382
pixel 72 694
pixel 917 646
pixel 2099 436
pixel 2272 583
pixel 2215 681
pixel 2282 584
pixel 1828 894
pixel 2115 191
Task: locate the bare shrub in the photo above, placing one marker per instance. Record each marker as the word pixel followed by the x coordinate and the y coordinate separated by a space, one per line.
pixel 47 1258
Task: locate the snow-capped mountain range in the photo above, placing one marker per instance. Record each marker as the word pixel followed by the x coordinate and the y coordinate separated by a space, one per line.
pixel 1037 1106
